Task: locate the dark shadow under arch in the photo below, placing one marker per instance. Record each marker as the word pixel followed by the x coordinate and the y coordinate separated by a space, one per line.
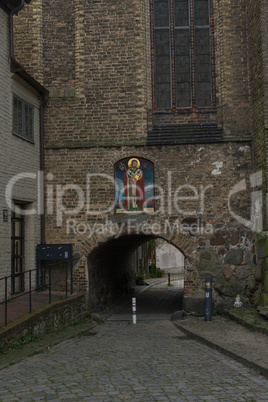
pixel 112 268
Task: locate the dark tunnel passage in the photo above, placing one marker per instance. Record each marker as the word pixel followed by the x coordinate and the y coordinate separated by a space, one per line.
pixel 112 269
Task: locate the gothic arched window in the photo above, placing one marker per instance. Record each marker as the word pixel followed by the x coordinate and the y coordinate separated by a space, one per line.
pixel 182 54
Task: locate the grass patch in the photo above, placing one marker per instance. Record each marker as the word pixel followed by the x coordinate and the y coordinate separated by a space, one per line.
pixel 75 322
pixel 255 322
pixel 17 344
pixel 36 352
pixel 98 320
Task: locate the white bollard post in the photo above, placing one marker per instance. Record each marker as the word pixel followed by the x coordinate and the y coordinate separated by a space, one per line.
pixel 134 310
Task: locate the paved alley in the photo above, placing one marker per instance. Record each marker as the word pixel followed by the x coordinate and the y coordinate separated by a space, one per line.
pixel 149 361
pixel 119 361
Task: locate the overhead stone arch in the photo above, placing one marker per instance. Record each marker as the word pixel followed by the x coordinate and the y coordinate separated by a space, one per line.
pixel 108 261
pixel 182 242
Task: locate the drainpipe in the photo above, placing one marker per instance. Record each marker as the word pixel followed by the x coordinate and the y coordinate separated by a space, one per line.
pixel 14 11
pixel 44 99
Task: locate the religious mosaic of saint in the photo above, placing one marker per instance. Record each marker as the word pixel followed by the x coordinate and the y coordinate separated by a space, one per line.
pixel 134 186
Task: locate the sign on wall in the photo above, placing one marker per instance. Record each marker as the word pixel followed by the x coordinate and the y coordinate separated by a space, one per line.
pixel 47 252
pixel 134 179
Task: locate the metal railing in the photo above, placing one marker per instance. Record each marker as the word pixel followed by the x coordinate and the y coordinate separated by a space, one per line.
pixel 39 287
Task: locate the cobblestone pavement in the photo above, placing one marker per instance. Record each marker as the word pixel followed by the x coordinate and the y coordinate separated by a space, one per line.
pixel 159 299
pixel 149 361
pixel 119 361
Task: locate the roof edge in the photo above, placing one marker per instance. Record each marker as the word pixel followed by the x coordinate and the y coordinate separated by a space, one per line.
pixel 17 68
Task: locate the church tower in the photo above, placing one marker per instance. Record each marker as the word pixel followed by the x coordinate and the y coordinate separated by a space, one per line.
pixel 151 101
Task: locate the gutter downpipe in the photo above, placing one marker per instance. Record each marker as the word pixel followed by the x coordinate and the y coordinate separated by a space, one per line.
pixel 17 9
pixel 44 100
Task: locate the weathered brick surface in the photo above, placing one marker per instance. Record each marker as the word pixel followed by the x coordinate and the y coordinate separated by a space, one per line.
pixel 28 38
pixel 96 62
pixel 232 76
pixel 258 57
pixel 102 50
pixel 184 165
pixel 256 70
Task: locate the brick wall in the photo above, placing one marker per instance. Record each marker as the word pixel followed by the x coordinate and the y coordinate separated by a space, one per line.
pixel 99 55
pixel 231 74
pixel 264 49
pixel 97 66
pixel 228 242
pixel 256 70
pixel 258 62
pixel 28 43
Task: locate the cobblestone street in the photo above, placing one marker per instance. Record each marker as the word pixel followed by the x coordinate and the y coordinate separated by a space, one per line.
pixel 119 361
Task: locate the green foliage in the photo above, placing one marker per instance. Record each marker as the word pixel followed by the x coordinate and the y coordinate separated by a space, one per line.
pixel 140 276
pixel 17 344
pixel 62 297
pixel 3 348
pixel 255 322
pixel 152 269
pixel 31 338
pixel 36 352
pixel 75 322
pixel 98 320
pixel 256 298
pixel 155 272
pixel 40 288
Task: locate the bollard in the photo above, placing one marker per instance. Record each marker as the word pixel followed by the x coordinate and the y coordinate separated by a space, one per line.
pixel 168 279
pixel 49 288
pixel 134 310
pixel 208 299
pixel 30 291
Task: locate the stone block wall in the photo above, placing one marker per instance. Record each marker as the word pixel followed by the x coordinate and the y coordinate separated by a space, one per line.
pixel 48 319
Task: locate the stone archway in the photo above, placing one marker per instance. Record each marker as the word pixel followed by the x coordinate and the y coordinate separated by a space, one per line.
pixel 109 263
pixel 223 256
